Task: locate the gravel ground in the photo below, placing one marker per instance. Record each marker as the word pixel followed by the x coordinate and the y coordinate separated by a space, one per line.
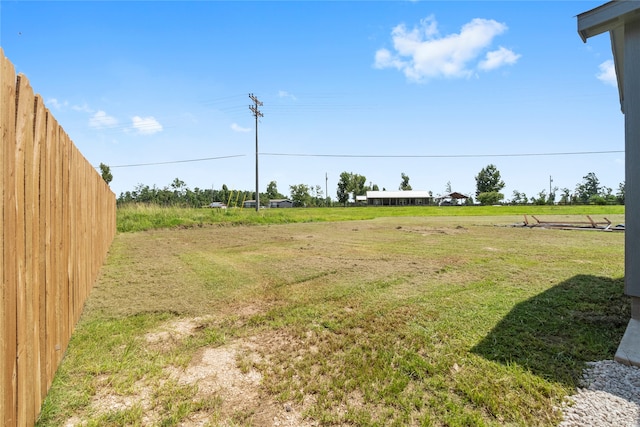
pixel 609 396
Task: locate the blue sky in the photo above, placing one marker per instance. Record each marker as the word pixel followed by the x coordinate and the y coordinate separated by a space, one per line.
pixel 433 89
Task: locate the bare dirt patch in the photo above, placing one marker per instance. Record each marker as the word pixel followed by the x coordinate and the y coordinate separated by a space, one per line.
pixel 228 372
pixel 225 373
pixel 172 333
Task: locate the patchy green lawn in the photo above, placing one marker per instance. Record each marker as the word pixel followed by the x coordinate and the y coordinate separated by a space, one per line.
pixel 397 320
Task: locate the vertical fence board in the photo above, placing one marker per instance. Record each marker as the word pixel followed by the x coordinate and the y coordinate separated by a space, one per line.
pixel 66 243
pixel 24 234
pixel 66 233
pixel 86 223
pixel 72 260
pixel 32 191
pixel 60 281
pixel 39 247
pixel 8 343
pixel 50 290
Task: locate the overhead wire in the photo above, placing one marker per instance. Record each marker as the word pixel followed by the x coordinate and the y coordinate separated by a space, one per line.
pixel 177 161
pixel 325 102
pixel 443 156
pixel 364 156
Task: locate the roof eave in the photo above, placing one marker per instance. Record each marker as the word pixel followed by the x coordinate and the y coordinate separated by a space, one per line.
pixel 606 17
pixel 617 47
pixel 611 17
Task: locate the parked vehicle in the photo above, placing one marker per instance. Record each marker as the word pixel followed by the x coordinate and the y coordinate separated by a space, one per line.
pixel 218 205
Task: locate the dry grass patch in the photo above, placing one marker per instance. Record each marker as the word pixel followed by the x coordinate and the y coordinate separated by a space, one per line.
pixel 221 383
pixel 392 321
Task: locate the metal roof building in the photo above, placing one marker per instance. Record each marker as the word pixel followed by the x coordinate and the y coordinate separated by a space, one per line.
pixel 398 198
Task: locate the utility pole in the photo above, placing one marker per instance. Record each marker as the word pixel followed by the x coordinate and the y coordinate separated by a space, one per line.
pixel 326 193
pixel 550 182
pixel 256 114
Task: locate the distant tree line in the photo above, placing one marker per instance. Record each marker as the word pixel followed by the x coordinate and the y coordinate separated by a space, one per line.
pixel 179 194
pixel 587 192
pixel 489 185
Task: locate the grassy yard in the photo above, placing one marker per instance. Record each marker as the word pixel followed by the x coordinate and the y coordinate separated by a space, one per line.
pixel 142 217
pixel 358 316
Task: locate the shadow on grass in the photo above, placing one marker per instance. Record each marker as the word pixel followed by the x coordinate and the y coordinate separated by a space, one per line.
pixel 552 334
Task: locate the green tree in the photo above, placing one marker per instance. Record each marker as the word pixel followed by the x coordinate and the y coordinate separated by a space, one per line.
pixel 344 184
pixel 318 196
pixel 589 187
pixel 105 171
pixel 488 181
pixel 272 191
pixel 350 183
pixel 519 198
pixel 490 198
pixel 300 195
pixel 565 198
pixel 359 187
pixel 541 199
pixel 551 200
pixel 179 187
pixel 620 193
pixel 404 184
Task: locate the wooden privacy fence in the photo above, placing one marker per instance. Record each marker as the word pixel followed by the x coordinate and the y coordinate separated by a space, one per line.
pixel 58 221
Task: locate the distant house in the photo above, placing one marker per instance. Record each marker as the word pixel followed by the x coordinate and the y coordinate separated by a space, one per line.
pixel 249 204
pixel 451 199
pixel 398 198
pixel 218 205
pixel 280 203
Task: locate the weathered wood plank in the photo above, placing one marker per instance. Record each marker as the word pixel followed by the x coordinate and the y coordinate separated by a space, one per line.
pixel 39 240
pixel 23 235
pixel 8 339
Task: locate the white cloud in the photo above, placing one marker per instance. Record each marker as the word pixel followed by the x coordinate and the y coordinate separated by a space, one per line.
pixel 384 59
pixel 607 73
pixel 422 53
pixel 146 125
pixel 237 128
pixel 498 58
pixel 54 103
pixel 101 120
pixel 285 94
pixel 84 108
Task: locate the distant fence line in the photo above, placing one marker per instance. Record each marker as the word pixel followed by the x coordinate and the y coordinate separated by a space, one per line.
pixel 58 221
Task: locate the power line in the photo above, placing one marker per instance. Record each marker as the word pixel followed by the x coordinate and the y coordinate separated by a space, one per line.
pixel 438 156
pixel 442 156
pixel 176 161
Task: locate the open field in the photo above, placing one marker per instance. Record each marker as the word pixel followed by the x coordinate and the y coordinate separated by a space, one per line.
pixel 389 320
pixel 144 217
